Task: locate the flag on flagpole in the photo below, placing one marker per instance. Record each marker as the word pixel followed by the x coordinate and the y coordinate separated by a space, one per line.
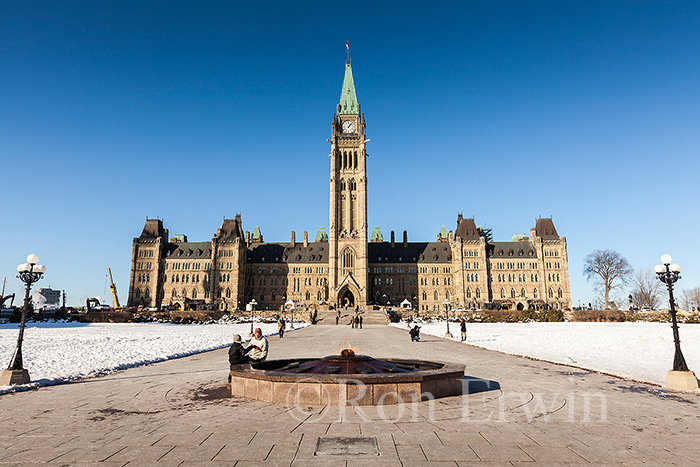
pixel 347 46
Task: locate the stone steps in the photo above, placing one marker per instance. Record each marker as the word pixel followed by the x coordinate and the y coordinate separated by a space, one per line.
pixel 368 317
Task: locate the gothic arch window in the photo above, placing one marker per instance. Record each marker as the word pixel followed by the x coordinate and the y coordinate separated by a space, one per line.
pixel 436 296
pixel 478 293
pixel 184 293
pixel 535 293
pixel 318 296
pixel 148 293
pixel 551 293
pixel 560 293
pixel 173 293
pixel 425 295
pixel 343 186
pixel 353 185
pixel 138 293
pixel 308 295
pixel 469 292
pixel 345 159
pixel 512 293
pixel 228 292
pixel 194 293
pixel 522 293
pixel 447 295
pixel 348 261
pixel 503 293
pixel 355 155
pixel 219 292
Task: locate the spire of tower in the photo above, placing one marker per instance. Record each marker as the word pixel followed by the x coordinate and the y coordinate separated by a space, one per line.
pixel 348 99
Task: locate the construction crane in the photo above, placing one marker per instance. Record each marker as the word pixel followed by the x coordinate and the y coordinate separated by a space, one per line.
pixel 114 290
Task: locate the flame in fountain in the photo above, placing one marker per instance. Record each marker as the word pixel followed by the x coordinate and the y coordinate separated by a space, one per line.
pixel 347 350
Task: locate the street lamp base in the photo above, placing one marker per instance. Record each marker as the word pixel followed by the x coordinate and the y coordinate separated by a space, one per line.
pixel 8 377
pixel 448 335
pixel 681 380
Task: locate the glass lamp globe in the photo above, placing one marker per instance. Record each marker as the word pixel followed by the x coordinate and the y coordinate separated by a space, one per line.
pixel 666 259
pixel 40 268
pixel 659 269
pixel 675 268
pixel 20 267
pixel 32 259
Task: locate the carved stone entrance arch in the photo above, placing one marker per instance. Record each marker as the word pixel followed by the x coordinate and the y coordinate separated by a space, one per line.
pixel 349 296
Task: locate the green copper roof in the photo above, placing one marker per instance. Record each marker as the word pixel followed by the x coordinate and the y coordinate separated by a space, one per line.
pixel 443 232
pixel 180 238
pixel 517 237
pixel 256 232
pixel 321 236
pixel 376 235
pixel 348 99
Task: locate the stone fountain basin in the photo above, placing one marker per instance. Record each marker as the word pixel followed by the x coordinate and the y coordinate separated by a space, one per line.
pixel 273 381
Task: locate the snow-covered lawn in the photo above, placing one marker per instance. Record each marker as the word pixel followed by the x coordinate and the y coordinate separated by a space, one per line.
pixel 639 351
pixel 57 352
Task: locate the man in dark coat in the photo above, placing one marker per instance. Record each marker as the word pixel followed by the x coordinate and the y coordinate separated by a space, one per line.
pixel 360 321
pixel 237 354
pixel 463 328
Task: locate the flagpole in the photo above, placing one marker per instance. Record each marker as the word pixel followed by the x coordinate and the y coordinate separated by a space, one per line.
pixel 347 46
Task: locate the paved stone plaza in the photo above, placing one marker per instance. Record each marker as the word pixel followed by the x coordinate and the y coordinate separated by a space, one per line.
pixel 516 410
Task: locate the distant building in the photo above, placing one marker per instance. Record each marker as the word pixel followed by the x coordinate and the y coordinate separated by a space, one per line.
pixel 46 299
pixel 463 268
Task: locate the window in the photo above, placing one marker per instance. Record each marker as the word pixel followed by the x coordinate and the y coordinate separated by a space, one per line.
pixel 469 292
pixel 551 293
pixel 522 293
pixel 348 261
pixel 560 293
pixel 535 293
pixel 503 293
pixel 478 293
pixel 436 296
pixel 512 293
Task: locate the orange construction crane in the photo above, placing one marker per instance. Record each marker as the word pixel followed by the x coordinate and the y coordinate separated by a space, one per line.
pixel 114 291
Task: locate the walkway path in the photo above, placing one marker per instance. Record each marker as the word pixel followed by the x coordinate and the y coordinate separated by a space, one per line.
pixel 179 413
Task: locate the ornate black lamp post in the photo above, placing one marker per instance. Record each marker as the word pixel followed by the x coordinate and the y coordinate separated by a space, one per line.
pixel 29 273
pixel 680 377
pixel 252 308
pixel 447 315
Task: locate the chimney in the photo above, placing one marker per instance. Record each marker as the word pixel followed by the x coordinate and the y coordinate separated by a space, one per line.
pixel 293 242
pixel 306 238
pixel 247 237
pixel 392 239
pixel 405 239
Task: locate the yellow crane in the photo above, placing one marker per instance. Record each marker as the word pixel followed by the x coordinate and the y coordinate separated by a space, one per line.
pixel 114 290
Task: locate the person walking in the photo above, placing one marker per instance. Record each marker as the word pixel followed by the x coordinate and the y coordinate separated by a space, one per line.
pixel 356 322
pixel 463 328
pixel 360 321
pixel 281 326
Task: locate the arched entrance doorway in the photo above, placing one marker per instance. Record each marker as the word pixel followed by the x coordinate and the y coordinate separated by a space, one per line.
pixel 348 299
pixel 520 307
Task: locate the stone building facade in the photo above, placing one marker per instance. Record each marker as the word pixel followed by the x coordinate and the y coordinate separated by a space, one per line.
pixel 461 269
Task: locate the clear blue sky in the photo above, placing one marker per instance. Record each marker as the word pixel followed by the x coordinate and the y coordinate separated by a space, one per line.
pixel 587 111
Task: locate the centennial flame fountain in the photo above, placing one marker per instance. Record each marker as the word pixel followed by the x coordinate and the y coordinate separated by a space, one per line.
pixel 346 379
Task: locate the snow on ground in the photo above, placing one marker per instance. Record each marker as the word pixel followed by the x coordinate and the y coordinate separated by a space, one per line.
pixel 59 352
pixel 638 351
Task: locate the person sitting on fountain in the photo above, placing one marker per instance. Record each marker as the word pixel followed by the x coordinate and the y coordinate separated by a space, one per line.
pixel 257 347
pixel 415 333
pixel 237 353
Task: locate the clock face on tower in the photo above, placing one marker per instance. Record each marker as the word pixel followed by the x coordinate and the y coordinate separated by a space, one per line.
pixel 348 126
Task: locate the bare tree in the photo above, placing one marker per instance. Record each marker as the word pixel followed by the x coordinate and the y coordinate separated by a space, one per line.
pixel 608 269
pixel 690 299
pixel 645 290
